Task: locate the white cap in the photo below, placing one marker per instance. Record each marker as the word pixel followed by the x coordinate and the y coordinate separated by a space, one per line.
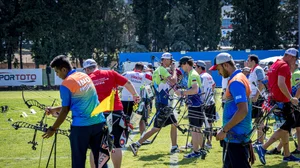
pixel 219 59
pixel 292 52
pixel 166 55
pixel 89 62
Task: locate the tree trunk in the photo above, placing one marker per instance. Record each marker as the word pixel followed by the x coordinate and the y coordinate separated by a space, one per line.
pixel 21 60
pixel 9 56
pixel 81 62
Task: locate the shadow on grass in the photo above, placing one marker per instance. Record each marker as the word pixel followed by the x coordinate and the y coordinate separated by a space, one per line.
pixel 185 161
pixel 279 165
pixel 151 157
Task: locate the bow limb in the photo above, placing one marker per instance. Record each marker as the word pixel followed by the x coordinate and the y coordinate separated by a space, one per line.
pixel 31 102
pixel 43 128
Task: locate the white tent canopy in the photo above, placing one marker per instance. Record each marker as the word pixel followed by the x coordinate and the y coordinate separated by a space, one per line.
pixel 264 62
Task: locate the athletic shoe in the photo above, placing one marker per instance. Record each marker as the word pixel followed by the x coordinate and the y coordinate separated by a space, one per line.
pixel 208 146
pixel 175 150
pixel 192 155
pixel 147 142
pixel 261 153
pixel 188 146
pixel 134 148
pixel 203 153
pixel 273 152
pixel 291 158
pixel 296 151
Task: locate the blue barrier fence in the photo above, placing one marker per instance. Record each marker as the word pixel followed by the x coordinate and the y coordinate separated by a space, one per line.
pixel 207 56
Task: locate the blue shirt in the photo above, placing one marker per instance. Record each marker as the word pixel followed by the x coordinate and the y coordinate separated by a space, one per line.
pixel 78 92
pixel 240 131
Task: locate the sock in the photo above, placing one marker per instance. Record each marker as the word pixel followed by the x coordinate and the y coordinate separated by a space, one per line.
pixel 176 146
pixel 138 144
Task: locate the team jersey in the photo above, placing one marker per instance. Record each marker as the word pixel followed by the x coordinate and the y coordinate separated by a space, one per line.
pixel 295 81
pixel 194 78
pixel 238 91
pixel 256 74
pixel 138 80
pixel 105 81
pixel 78 92
pixel 160 84
pixel 207 84
pixel 279 68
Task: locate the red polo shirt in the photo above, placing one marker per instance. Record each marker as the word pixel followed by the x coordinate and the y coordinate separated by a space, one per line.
pixel 105 81
pixel 279 68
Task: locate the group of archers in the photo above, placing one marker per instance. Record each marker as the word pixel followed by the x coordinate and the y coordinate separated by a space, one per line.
pixel 242 99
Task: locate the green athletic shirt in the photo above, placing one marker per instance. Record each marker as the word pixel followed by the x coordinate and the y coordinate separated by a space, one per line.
pixel 295 77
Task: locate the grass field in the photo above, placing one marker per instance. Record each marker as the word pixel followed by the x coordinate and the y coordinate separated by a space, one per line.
pixel 15 152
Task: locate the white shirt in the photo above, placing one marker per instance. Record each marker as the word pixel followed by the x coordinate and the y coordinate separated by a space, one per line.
pixel 256 74
pixel 207 83
pixel 224 83
pixel 138 79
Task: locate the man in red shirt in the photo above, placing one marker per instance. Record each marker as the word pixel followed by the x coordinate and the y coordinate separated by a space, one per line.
pixel 105 81
pixel 280 91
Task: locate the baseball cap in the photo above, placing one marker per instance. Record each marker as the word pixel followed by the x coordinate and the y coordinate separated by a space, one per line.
pixel 89 62
pixel 292 52
pixel 184 59
pixel 219 59
pixel 166 55
pixel 201 63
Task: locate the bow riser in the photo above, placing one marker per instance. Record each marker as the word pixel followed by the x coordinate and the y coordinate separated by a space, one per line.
pixel 43 128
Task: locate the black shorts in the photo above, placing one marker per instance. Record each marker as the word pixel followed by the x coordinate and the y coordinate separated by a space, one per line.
pixel 164 116
pixel 297 119
pixel 210 112
pixel 237 155
pixel 120 134
pixel 289 117
pixel 128 107
pixel 195 115
pixel 256 112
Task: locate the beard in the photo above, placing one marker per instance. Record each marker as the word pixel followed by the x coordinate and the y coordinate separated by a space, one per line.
pixel 225 73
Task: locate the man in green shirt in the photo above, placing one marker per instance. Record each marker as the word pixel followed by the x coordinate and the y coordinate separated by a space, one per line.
pixel 162 80
pixel 195 113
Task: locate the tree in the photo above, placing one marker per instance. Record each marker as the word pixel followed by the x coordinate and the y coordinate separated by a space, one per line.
pixel 288 23
pixel 9 34
pixel 254 24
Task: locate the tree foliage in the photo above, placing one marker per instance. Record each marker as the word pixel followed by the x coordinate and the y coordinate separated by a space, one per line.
pixel 254 24
pixel 101 29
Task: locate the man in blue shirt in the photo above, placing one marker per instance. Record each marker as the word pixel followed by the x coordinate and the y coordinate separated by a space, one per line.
pixel 78 94
pixel 236 115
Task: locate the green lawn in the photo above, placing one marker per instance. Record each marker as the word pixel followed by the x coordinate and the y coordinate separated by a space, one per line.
pixel 17 153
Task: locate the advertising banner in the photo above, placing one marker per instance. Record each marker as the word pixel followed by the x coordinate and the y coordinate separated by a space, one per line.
pixel 18 77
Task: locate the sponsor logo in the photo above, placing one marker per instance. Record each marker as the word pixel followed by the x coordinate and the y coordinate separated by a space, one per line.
pixel 24 78
pixel 238 97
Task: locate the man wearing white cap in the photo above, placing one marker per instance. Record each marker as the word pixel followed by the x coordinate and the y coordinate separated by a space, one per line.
pixel 280 89
pixel 208 87
pixel 236 114
pixel 162 80
pixel 105 81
